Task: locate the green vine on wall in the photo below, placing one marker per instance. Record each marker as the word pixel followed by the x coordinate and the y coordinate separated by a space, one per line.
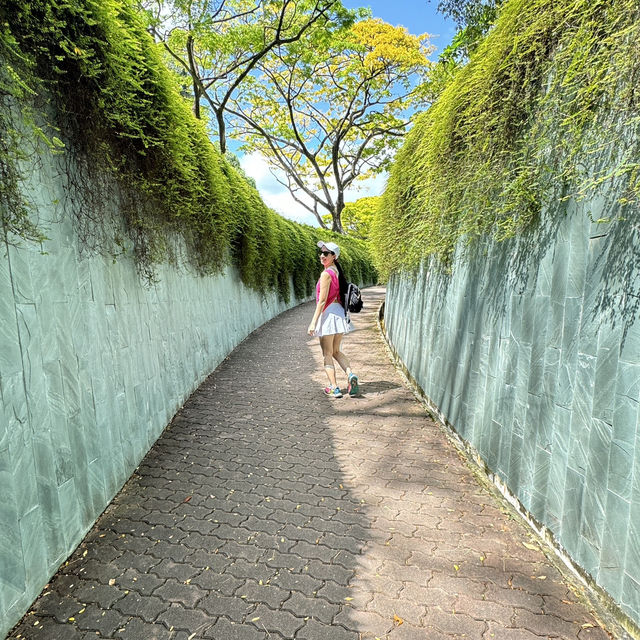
pixel 121 115
pixel 16 216
pixel 545 111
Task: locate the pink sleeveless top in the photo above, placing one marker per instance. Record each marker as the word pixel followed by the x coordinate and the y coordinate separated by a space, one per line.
pixel 334 289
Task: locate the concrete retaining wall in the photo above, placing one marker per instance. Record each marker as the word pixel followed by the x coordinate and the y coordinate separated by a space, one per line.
pixel 93 365
pixel 531 351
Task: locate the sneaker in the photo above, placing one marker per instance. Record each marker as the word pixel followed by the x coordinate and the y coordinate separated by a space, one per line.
pixel 333 393
pixel 352 387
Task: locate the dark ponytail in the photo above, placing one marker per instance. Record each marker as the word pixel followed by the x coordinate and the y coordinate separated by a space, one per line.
pixel 344 285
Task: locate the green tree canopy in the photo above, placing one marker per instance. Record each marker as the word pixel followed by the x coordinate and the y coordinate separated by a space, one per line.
pixel 467 13
pixel 474 19
pixel 215 44
pixel 358 216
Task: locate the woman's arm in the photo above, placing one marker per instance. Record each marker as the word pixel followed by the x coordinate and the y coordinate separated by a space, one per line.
pixel 325 282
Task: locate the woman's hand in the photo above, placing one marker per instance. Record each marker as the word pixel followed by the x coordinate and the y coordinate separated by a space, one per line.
pixel 311 328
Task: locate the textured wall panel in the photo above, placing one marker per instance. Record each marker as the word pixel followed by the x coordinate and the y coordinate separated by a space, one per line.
pixel 531 351
pixel 93 365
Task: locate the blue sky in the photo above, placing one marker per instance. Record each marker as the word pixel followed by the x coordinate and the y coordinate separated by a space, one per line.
pixel 417 16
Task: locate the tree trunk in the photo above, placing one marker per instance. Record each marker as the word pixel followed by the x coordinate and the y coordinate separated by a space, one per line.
pixel 196 100
pixel 222 135
pixel 337 224
pixel 336 214
pixel 193 70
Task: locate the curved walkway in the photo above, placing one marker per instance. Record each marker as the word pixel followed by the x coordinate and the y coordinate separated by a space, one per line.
pixel 267 511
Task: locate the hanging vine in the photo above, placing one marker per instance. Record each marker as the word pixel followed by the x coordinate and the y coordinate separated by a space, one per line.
pixel 85 80
pixel 546 110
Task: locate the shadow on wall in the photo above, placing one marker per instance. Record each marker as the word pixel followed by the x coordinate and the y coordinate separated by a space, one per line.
pixel 618 299
pixel 550 258
pixel 530 350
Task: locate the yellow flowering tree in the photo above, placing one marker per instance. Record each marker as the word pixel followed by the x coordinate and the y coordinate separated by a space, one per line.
pixel 331 108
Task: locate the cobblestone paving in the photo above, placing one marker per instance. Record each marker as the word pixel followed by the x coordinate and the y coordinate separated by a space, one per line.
pixel 267 511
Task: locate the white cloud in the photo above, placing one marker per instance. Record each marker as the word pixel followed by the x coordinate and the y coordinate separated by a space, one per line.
pixel 372 186
pixel 276 196
pixel 254 165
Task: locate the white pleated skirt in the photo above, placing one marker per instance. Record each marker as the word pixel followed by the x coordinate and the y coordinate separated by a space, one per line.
pixel 332 321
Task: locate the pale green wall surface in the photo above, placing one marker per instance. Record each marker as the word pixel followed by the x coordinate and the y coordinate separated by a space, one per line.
pixel 531 351
pixel 93 365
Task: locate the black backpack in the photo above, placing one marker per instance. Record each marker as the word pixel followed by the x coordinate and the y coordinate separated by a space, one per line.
pixel 353 299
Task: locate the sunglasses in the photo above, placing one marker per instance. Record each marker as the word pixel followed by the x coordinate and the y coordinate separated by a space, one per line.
pixel 326 253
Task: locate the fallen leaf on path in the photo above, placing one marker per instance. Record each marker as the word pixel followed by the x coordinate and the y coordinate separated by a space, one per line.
pixel 397 620
pixel 530 546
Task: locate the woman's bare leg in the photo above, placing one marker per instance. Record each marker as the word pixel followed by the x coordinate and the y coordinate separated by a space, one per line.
pixel 342 360
pixel 326 343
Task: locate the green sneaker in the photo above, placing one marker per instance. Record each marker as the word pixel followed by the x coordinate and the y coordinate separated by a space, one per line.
pixel 353 387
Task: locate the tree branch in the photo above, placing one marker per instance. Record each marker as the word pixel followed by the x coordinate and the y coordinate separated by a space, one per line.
pixel 284 163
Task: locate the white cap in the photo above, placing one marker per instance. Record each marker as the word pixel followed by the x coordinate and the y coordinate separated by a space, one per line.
pixel 332 246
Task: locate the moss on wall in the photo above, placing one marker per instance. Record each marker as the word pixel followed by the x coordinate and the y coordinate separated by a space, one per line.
pixel 553 85
pixel 92 64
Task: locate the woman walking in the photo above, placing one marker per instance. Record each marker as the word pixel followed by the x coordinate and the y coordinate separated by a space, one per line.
pixel 329 322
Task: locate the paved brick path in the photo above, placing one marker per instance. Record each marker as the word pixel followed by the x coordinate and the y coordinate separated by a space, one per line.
pixel 267 511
